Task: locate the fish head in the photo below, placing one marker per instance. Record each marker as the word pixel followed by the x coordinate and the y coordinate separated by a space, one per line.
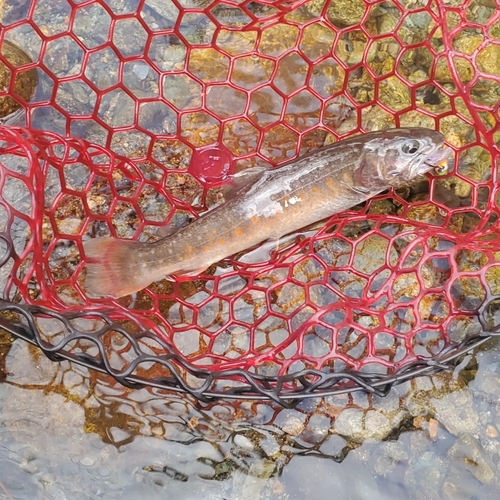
pixel 397 156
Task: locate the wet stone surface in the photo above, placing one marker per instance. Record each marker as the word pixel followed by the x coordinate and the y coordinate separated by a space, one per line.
pixel 435 436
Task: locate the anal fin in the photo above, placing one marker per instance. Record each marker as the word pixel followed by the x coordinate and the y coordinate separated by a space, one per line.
pixel 191 272
pixel 262 253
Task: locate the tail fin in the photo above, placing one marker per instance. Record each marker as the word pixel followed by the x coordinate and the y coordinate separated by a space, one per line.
pixel 113 267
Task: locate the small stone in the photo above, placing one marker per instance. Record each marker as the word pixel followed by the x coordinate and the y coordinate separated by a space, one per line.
pixel 318 428
pixel 278 488
pixel 418 422
pixel 456 412
pixel 243 442
pixel 87 461
pixel 491 431
pixel 291 422
pixel 270 447
pixel 141 70
pixel 293 426
pixel 333 446
pixel 433 428
pixel 103 471
pixel 29 467
pixel 350 423
pixel 346 13
pixel 377 425
pixel 192 423
pixel 25 81
pixel 488 60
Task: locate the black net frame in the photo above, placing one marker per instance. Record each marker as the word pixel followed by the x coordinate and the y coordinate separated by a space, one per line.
pixel 255 387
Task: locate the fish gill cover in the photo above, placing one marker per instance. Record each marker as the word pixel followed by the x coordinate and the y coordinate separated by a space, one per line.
pixel 141 110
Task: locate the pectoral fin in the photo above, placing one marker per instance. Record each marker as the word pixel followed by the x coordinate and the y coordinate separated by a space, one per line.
pixel 240 181
pixel 357 189
pixel 365 172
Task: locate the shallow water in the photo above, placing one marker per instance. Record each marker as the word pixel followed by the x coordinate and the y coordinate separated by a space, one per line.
pixel 65 433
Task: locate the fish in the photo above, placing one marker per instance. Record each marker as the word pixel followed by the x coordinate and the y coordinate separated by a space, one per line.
pixel 264 205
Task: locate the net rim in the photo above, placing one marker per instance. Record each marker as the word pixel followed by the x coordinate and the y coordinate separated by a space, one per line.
pixel 259 387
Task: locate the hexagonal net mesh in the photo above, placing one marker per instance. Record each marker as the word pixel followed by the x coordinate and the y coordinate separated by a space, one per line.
pixel 146 106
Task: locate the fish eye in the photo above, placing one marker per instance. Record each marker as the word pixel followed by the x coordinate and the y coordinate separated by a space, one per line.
pixel 410 147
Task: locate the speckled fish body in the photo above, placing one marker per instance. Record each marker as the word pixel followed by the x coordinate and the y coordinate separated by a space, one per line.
pixel 279 201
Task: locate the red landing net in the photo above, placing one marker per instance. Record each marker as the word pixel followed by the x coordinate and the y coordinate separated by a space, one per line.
pixel 181 89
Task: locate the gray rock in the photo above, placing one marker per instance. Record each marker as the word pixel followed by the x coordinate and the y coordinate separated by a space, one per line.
pixel 22 368
pixel 307 478
pixel 359 425
pixel 456 412
pixel 350 423
pixel 165 8
pixel 333 446
pixel 459 486
pixel 291 421
pixel 249 484
pixel 377 425
pixel 469 453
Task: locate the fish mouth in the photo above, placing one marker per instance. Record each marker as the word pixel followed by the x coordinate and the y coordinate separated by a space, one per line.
pixel 437 157
pixel 437 160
